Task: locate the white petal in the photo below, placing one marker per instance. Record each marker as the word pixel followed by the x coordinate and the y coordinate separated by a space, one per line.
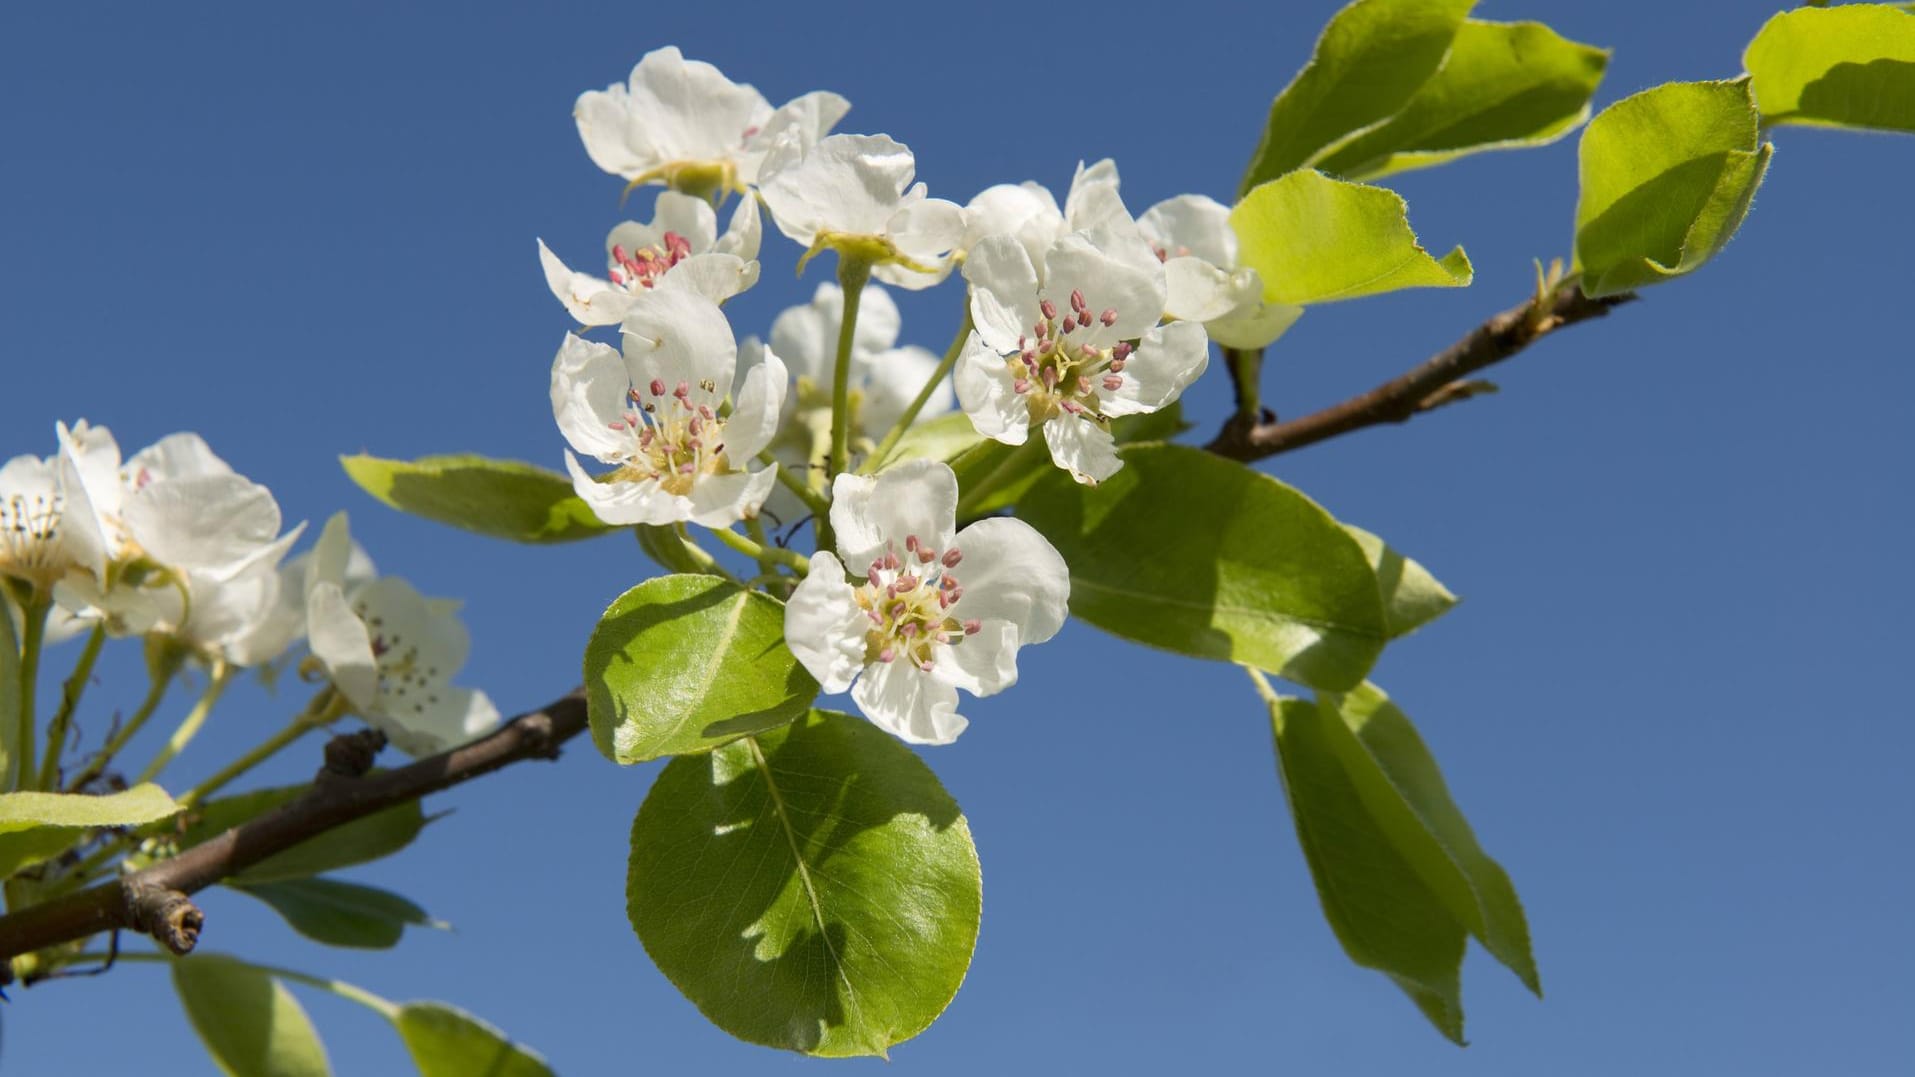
pixel 689 110
pixel 443 717
pixel 1199 291
pixel 340 640
pixel 745 233
pixel 916 497
pixel 1192 225
pixel 925 232
pixel 172 457
pixel 801 122
pixel 1115 271
pixel 414 629
pixel 605 125
pixel 1254 327
pixel 893 380
pixel 589 384
pixel 585 297
pixel 754 418
pixel 718 501
pixel 982 664
pixel 692 219
pixel 913 705
pixel 807 336
pixel 1093 199
pixel 1167 360
pixel 987 393
pixel 1004 303
pixel 847 183
pixel 204 523
pixel 1012 574
pixel 621 503
pixel 82 536
pixel 1082 448
pixel 715 276
pixel 1016 210
pixel 680 337
pixel 824 627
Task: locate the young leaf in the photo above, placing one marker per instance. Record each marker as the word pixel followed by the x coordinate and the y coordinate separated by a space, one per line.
pixel 1196 554
pixel 1667 176
pixel 340 913
pixel 1031 461
pixel 1847 66
pixel 1412 597
pixel 448 1042
pixel 249 1022
pixel 1314 239
pixel 941 438
pixel 1504 86
pixel 35 826
pixel 371 838
pixel 1369 62
pixel 501 498
pixel 686 663
pixel 812 888
pixel 1383 913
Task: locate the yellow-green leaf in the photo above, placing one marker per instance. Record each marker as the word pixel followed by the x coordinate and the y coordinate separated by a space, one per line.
pixel 1847 66
pixel 1314 239
pixel 249 1022
pixel 501 498
pixel 35 826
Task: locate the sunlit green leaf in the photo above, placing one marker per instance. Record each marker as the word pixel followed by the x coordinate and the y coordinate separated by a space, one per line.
pixel 448 1042
pixel 1314 239
pixel 1203 556
pixel 812 888
pixel 501 498
pixel 1369 62
pixel 686 663
pixel 1667 176
pixel 1504 85
pixel 340 913
pixel 1412 597
pixel 249 1022
pixel 35 826
pixel 1846 66
pixel 939 438
pixel 1032 461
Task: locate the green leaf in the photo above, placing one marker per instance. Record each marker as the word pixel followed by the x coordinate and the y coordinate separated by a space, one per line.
pixel 1848 66
pixel 1203 556
pixel 448 1042
pixel 1371 59
pixel 370 838
pixel 1314 239
pixel 341 913
pixel 1667 176
pixel 940 438
pixel 249 1022
pixel 36 826
pixel 686 663
pixel 1504 86
pixel 1031 461
pixel 813 888
pixel 1412 597
pixel 1381 910
pixel 501 498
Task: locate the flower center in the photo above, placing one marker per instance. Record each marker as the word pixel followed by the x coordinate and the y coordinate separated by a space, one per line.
pixel 907 599
pixel 29 531
pixel 640 269
pixel 673 439
pixel 403 681
pixel 1063 372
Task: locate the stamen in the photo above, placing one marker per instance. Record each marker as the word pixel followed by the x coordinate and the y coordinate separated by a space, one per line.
pixel 951 558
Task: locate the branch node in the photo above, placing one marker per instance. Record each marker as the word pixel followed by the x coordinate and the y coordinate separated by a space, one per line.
pixel 351 755
pixel 167 915
pixel 541 738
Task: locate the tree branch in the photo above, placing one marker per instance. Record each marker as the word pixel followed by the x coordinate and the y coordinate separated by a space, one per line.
pixel 1432 384
pixel 154 899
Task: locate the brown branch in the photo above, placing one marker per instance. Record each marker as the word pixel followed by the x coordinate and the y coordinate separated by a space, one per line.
pixel 154 899
pixel 1427 386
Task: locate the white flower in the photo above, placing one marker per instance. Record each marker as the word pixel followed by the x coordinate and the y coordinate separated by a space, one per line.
pixel 853 194
pixel 1071 341
pixel 654 413
pixel 683 123
pixel 1028 212
pixel 1193 238
pixel 49 527
pixel 931 610
pixel 391 651
pixel 681 247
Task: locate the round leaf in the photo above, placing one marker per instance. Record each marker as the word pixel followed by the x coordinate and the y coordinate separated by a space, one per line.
pixel 686 663
pixel 812 888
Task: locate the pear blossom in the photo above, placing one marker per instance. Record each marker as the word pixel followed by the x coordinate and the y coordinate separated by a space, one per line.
pixel 1191 235
pixel 680 247
pixel 1029 211
pixel 853 194
pixel 1071 341
pixel 654 413
pixel 926 609
pixel 48 526
pixel 683 123
pixel 390 651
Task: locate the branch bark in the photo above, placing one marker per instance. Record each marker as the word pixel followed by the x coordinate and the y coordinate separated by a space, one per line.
pixel 1428 385
pixel 154 899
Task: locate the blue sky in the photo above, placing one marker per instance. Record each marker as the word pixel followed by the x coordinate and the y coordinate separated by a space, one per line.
pixel 1668 703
